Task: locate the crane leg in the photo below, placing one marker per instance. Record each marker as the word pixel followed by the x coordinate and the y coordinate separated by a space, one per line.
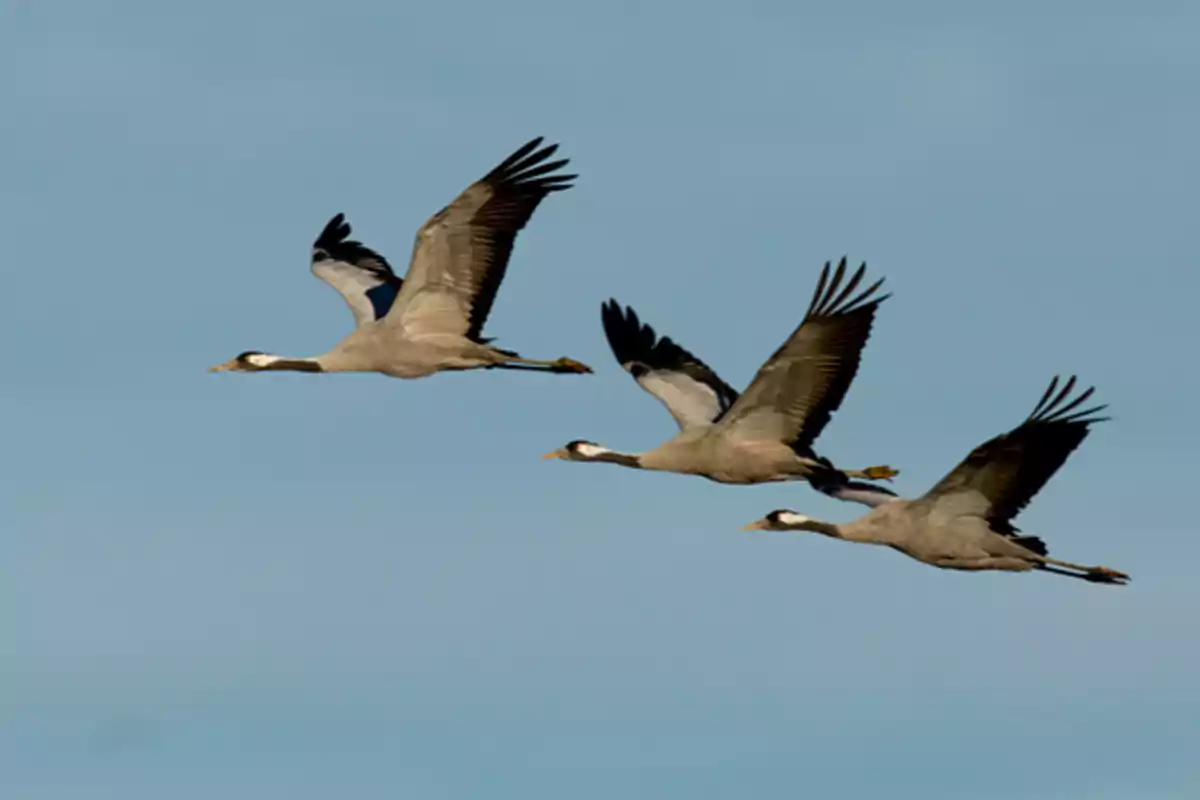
pixel 1091 577
pixel 1104 574
pixel 984 563
pixel 558 365
pixel 1012 564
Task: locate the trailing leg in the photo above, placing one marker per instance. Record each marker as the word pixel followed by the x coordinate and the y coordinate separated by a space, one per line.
pixel 1091 577
pixel 1099 574
pixel 563 365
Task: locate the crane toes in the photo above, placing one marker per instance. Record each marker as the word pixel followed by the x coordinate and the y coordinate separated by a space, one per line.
pixel 1110 573
pixel 880 473
pixel 565 364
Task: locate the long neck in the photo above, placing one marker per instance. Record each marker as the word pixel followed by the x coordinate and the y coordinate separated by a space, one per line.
pixel 860 530
pixel 624 459
pixel 287 364
pixel 296 365
pixel 680 455
pixel 830 529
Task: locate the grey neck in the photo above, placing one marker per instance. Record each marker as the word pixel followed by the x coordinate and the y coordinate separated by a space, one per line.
pixel 624 459
pixel 864 532
pixel 294 365
pixel 824 528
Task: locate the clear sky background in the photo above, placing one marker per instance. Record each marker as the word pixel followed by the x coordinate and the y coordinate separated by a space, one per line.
pixel 296 586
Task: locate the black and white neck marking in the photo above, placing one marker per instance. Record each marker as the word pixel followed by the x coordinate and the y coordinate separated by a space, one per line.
pixel 263 362
pixel 590 451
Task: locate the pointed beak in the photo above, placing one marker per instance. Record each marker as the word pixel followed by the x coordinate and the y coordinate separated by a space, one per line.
pixel 222 367
pixel 757 525
pixel 555 454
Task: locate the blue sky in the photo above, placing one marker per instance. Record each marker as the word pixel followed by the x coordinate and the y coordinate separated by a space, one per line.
pixel 282 586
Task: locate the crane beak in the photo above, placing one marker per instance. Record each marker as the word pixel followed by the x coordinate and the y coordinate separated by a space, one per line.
pixel 227 366
pixel 555 454
pixel 757 525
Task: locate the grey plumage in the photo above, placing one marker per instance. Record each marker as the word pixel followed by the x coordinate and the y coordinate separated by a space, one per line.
pixel 363 277
pixel 766 433
pixel 965 521
pixel 432 319
pixel 691 391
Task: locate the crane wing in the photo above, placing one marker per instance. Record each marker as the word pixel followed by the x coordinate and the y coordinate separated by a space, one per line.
pixel 691 391
pixel 794 394
pixel 363 277
pixel 999 477
pixel 461 253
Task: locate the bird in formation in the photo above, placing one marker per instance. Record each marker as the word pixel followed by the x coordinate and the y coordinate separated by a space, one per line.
pixel 766 434
pixel 432 321
pixel 965 521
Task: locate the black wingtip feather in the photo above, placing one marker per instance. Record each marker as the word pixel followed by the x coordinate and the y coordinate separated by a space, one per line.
pixel 855 280
pixel 631 340
pixel 525 168
pixel 520 153
pixel 334 242
pixel 1051 407
pixel 1033 451
pixel 501 204
pixel 334 232
pixel 819 291
pixel 831 298
pixel 637 347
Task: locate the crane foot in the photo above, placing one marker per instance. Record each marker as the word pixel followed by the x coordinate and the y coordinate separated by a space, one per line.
pixel 881 473
pixel 570 365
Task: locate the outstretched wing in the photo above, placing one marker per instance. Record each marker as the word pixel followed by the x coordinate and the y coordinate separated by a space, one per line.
pixel 362 276
pixel 689 388
pixel 999 478
pixel 794 394
pixel 461 253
